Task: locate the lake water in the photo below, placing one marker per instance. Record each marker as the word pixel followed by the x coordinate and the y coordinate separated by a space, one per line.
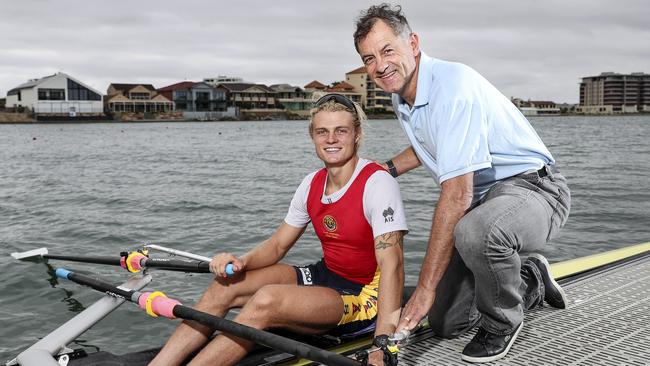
pixel 97 189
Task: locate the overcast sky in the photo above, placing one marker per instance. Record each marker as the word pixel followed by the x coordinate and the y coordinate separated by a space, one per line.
pixel 528 49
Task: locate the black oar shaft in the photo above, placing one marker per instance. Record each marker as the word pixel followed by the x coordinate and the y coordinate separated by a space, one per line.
pixel 239 330
pixel 264 338
pixel 85 259
pixel 160 263
pixel 176 265
pixel 99 285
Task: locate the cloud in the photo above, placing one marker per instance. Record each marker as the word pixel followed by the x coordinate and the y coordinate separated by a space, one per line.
pixel 528 49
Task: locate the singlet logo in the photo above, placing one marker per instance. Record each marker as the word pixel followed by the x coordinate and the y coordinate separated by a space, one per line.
pixel 330 223
pixel 388 214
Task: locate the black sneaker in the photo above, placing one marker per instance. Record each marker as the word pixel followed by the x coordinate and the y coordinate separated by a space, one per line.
pixel 553 293
pixel 486 347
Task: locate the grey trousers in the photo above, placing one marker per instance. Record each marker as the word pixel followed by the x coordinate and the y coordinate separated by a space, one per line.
pixel 487 280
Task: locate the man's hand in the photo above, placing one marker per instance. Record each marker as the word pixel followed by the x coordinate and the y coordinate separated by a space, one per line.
pixel 416 308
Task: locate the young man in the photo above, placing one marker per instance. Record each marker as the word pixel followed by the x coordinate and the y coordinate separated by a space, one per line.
pixel 501 192
pixel 356 209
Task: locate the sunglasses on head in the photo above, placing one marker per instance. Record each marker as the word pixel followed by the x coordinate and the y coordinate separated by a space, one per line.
pixel 338 98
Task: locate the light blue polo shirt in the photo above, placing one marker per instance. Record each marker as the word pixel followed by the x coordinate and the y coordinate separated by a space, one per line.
pixel 461 123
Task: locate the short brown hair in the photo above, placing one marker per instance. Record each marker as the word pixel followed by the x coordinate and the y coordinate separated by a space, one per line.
pixel 389 14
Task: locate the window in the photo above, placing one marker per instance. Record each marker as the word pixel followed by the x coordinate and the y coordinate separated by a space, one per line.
pixel 51 94
pixel 139 96
pixel 79 92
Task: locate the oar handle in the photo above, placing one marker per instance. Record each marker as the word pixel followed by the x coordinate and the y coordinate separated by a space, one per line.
pixel 230 269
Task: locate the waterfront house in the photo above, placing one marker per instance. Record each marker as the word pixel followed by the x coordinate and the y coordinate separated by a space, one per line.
pixel 199 100
pixel 340 87
pixel 344 88
pixel 195 97
pixel 136 98
pixel 56 95
pixel 293 99
pixel 536 107
pixel 250 97
pixel 315 85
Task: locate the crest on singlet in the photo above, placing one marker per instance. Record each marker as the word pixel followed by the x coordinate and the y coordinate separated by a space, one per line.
pixel 330 223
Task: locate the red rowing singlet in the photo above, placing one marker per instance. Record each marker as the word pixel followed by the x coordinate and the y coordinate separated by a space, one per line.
pixel 344 232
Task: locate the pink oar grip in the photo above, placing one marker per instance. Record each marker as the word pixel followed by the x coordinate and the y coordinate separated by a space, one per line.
pixel 160 305
pixel 134 260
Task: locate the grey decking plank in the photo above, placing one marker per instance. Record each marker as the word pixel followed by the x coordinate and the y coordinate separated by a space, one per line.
pixel 607 322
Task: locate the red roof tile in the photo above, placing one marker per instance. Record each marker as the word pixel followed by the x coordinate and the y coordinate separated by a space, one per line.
pixel 315 85
pixel 342 86
pixel 178 86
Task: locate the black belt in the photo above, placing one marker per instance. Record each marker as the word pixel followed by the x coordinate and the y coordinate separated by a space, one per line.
pixel 544 171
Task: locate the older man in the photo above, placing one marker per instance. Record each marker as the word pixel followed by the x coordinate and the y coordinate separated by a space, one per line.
pixel 501 192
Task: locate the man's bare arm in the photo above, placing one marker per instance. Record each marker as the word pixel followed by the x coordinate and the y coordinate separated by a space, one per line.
pixel 454 201
pixel 404 161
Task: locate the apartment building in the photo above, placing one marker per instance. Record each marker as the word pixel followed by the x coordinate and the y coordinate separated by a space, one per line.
pixel 612 92
pixel 223 79
pixel 373 98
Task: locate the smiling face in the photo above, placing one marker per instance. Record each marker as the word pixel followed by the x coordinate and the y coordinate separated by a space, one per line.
pixel 335 137
pixel 390 59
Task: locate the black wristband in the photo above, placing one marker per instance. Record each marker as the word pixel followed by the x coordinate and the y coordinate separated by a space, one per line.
pixel 380 341
pixel 391 168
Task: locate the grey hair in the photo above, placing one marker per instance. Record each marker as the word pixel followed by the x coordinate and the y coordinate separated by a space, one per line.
pixel 389 14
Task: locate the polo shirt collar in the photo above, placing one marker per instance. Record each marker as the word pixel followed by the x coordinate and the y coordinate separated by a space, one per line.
pixel 425 79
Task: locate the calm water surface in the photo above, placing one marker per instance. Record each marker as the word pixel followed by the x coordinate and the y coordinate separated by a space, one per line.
pixel 210 187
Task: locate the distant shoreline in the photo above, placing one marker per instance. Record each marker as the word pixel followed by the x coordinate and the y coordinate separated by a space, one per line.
pixel 373 117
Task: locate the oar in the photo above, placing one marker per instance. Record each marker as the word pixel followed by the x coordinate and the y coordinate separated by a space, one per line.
pixel 157 303
pixel 133 261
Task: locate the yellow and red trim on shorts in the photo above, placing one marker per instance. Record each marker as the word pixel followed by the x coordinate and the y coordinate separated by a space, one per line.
pixel 362 306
